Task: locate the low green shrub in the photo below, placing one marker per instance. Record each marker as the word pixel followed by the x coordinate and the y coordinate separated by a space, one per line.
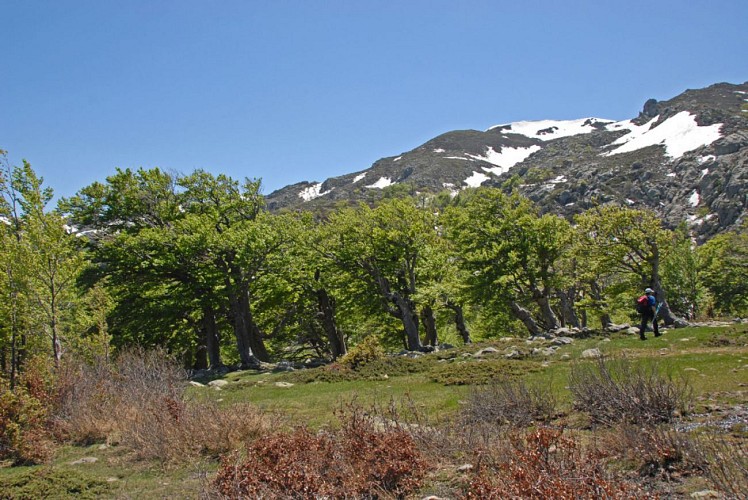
pixel 392 366
pixel 481 372
pixel 53 483
pixel 368 350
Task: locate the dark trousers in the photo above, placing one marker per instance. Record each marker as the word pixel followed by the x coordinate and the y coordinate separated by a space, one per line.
pixel 646 318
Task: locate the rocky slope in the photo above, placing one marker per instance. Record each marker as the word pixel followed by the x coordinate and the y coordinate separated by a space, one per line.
pixel 685 158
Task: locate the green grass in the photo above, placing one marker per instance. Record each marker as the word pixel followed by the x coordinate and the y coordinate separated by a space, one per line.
pixel 314 403
pixel 112 475
pixel 714 361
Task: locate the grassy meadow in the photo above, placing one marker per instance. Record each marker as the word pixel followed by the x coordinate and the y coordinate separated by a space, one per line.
pixel 434 389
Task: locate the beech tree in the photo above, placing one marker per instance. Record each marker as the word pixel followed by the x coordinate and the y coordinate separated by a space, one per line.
pixel 383 249
pixel 724 270
pixel 41 263
pixel 511 254
pixel 131 225
pixel 628 244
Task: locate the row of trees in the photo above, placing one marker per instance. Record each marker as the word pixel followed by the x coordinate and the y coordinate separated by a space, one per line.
pixel 195 263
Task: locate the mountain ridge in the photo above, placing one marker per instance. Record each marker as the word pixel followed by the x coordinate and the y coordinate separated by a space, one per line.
pixel 686 158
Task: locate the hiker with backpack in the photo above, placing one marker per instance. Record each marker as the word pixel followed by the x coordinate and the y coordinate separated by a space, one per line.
pixel 646 305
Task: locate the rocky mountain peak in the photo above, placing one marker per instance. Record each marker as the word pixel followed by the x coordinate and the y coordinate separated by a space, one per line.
pixel 685 158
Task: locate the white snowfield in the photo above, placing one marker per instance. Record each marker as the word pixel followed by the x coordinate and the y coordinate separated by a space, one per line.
pixel 679 134
pixel 382 183
pixel 546 130
pixel 504 159
pixel 476 179
pixel 312 192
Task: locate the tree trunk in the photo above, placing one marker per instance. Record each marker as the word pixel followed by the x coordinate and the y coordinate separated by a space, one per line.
pixel 568 314
pixel 429 323
pixel 605 320
pixel 524 315
pixel 13 352
pixel 597 296
pixel 656 284
pixel 56 346
pixel 668 317
pixel 409 317
pixel 256 342
pixel 211 337
pixel 326 312
pixel 460 321
pixel 549 317
pixel 201 354
pixel 241 332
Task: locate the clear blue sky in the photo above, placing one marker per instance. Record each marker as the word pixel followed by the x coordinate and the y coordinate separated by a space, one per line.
pixel 303 90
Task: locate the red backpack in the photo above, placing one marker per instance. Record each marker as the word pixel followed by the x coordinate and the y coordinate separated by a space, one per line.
pixel 642 304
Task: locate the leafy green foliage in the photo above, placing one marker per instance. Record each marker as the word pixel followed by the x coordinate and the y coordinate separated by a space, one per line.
pixel 724 271
pixel 510 252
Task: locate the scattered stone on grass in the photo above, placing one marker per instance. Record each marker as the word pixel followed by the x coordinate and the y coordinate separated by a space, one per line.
pixel 486 350
pixel 592 353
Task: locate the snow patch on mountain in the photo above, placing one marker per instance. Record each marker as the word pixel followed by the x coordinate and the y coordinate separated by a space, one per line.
pixel 453 191
pixel 679 134
pixel 476 179
pixel 546 130
pixel 312 192
pixel 359 177
pixel 382 183
pixel 504 159
pixel 694 199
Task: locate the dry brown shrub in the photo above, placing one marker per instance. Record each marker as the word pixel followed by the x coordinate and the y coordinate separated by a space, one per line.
pixel 509 402
pixel 654 451
pixel 544 463
pixel 86 408
pixel 357 461
pixel 725 462
pixel 139 401
pixel 617 390
pixel 25 435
